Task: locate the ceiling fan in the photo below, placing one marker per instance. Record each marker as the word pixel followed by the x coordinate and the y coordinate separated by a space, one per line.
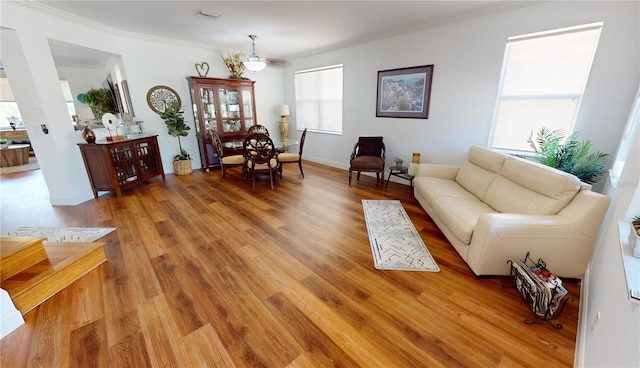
pixel 257 63
pixel 254 62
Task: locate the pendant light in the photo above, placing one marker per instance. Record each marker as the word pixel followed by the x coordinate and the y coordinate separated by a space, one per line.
pixel 254 62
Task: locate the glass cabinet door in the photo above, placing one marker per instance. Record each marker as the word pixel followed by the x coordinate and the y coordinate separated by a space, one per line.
pixel 208 107
pixel 247 108
pixel 229 110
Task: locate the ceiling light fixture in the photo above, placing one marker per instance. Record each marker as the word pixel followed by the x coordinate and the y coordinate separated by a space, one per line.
pixel 254 62
pixel 207 15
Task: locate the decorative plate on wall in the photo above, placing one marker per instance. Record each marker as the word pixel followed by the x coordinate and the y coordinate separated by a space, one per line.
pixel 159 97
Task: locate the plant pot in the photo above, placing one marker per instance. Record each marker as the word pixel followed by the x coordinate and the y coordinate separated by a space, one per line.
pixel 182 167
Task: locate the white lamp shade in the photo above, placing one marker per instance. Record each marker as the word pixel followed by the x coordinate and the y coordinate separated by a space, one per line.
pixel 282 110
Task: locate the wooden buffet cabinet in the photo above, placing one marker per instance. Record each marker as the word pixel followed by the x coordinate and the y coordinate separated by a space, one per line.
pixel 226 105
pixel 115 166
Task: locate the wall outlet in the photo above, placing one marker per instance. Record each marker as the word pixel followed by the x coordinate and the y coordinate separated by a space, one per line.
pixel 595 322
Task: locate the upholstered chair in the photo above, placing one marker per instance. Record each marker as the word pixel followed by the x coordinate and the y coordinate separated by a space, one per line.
pixel 260 157
pixel 368 155
pixel 225 161
pixel 292 158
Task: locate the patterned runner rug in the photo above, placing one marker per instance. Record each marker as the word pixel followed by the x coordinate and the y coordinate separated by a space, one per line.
pixel 63 234
pixel 395 243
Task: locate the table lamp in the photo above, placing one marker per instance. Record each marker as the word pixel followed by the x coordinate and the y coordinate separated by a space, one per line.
pixel 283 111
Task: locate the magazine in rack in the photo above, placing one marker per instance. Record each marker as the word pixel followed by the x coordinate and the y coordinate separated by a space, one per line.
pixel 541 289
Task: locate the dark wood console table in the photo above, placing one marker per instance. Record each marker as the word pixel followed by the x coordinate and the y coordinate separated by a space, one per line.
pixel 115 166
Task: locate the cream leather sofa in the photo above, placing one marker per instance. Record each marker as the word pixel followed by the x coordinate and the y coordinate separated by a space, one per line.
pixel 496 207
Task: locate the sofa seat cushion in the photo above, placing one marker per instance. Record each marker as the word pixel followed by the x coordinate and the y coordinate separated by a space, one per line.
pixel 460 214
pixel 430 188
pixel 531 188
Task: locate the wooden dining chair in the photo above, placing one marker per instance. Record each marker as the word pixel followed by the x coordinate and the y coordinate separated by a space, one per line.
pixel 289 158
pixel 225 161
pixel 258 129
pixel 368 155
pixel 260 157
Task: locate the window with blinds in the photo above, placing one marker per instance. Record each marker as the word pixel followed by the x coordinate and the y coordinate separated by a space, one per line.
pixel 319 99
pixel 543 78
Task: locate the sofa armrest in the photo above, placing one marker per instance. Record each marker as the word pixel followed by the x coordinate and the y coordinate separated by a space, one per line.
pixel 565 241
pixel 437 171
pixel 499 237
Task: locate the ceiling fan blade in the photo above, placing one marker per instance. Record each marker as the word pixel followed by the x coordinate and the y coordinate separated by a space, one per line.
pixel 278 62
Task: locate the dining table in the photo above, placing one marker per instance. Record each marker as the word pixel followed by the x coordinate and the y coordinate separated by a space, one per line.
pixel 281 145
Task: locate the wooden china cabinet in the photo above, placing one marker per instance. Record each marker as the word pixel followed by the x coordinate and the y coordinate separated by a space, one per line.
pixel 226 105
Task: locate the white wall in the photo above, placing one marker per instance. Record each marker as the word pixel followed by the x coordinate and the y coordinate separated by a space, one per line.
pixel 467 58
pixel 147 62
pixel 615 340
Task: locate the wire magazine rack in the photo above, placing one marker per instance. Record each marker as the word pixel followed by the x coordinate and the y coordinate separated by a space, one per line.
pixel 541 289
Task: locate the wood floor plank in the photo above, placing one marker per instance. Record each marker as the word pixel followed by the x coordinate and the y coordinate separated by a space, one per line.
pixel 208 273
pixel 89 345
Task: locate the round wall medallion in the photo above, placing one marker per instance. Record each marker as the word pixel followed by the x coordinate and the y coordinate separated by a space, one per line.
pixel 159 97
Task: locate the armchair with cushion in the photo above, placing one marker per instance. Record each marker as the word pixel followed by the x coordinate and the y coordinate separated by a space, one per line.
pixel 368 155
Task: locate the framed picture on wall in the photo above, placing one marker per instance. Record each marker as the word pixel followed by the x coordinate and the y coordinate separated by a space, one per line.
pixel 404 92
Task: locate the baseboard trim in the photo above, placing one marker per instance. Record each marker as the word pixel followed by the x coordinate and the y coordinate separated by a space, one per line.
pixel 578 358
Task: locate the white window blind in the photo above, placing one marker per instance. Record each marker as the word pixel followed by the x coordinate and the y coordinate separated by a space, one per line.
pixel 319 99
pixel 543 78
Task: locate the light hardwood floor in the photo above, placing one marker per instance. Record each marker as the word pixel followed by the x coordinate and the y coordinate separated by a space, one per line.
pixel 203 273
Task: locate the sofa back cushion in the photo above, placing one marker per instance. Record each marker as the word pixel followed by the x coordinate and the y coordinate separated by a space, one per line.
pixel 528 187
pixel 479 171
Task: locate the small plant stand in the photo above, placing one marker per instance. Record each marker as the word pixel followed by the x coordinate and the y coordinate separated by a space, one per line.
pixel 540 289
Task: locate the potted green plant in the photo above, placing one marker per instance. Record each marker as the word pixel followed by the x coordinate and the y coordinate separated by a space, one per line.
pixel 4 143
pixel 100 101
pixel 177 127
pixel 570 155
pixel 398 162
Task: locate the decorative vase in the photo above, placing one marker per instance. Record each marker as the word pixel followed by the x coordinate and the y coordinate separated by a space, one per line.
pixel 399 164
pixel 88 134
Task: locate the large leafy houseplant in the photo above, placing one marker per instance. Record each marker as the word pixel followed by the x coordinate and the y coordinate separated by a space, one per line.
pixel 570 155
pixel 177 127
pixel 100 101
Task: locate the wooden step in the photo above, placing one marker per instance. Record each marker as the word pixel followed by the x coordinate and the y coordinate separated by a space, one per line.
pixel 18 254
pixel 66 263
